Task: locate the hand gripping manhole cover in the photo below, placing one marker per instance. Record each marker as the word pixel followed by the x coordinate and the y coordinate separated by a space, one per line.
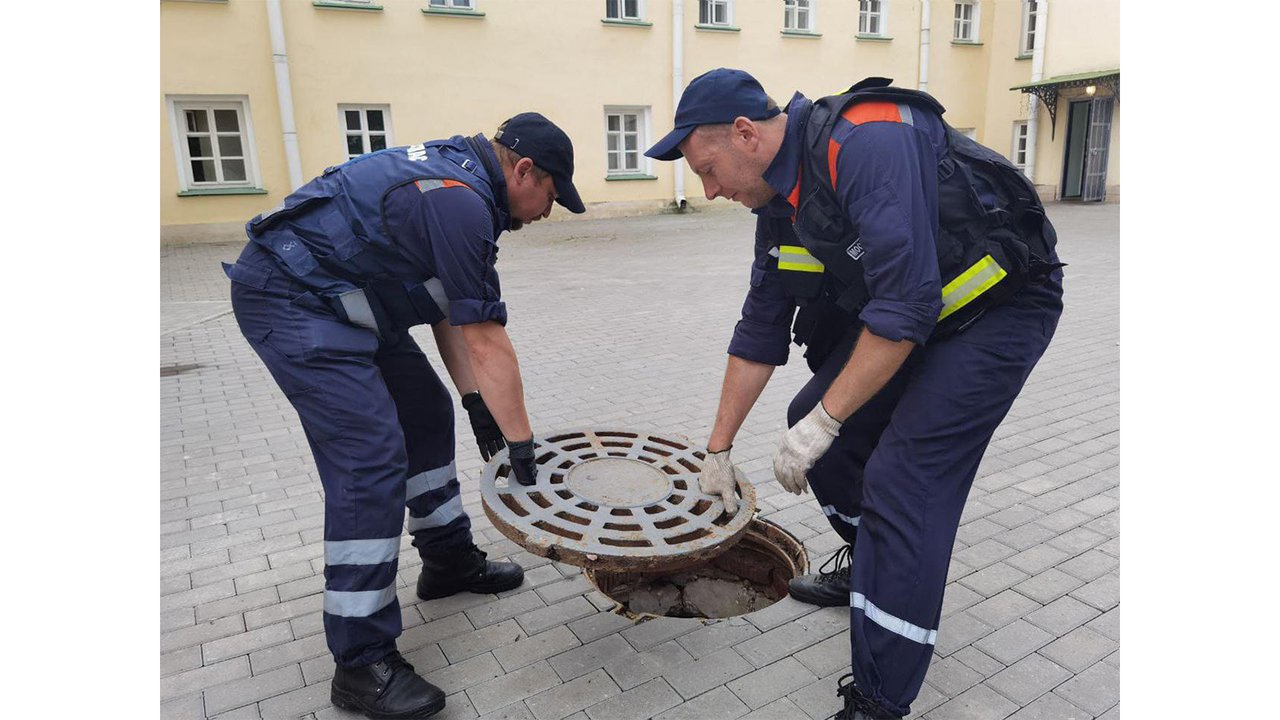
pixel 614 500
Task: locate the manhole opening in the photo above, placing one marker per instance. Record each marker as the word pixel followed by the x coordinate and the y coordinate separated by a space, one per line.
pixel 750 576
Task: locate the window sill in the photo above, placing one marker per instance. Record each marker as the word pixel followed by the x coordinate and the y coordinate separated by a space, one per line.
pixel 872 38
pixel 966 43
pixel 442 12
pixel 196 192
pixel 717 28
pixel 1023 57
pixel 338 5
pixel 801 34
pixel 626 23
pixel 630 176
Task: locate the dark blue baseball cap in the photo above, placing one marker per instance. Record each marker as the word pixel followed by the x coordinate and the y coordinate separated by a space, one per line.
pixel 533 136
pixel 714 97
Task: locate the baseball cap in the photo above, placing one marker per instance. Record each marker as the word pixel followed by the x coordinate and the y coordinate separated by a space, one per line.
pixel 533 136
pixel 716 96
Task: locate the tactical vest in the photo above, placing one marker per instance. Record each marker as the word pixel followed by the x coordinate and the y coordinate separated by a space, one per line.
pixel 984 255
pixel 331 234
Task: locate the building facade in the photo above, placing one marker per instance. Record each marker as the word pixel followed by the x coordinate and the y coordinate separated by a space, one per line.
pixel 258 96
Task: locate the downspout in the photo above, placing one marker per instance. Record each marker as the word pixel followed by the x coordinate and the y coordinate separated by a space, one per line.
pixel 284 93
pixel 677 87
pixel 1037 74
pixel 923 83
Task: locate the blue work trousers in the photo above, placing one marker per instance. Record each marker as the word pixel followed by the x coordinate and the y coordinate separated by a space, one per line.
pixel 380 425
pixel 896 478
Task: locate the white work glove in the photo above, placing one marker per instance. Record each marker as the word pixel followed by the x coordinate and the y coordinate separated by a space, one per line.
pixel 801 447
pixel 718 477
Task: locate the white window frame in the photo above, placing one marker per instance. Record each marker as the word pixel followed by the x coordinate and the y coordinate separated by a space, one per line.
pixel 643 163
pixel 621 7
pixel 791 14
pixel 178 105
pixel 453 4
pixel 1018 152
pixel 364 126
pixel 1027 36
pixel 711 5
pixel 972 25
pixel 971 133
pixel 866 14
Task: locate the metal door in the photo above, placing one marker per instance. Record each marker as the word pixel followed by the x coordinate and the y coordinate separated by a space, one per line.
pixel 1096 150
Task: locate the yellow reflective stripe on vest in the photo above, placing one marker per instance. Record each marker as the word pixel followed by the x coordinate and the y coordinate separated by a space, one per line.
pixel 972 282
pixel 795 257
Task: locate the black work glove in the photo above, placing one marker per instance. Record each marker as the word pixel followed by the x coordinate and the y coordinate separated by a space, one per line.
pixel 523 466
pixel 488 436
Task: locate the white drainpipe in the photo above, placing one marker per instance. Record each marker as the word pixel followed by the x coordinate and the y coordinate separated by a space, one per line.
pixel 284 93
pixel 677 87
pixel 1037 74
pixel 923 83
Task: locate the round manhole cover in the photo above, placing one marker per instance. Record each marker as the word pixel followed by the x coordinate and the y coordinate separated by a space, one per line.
pixel 616 500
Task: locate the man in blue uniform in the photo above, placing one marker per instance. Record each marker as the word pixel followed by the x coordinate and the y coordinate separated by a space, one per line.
pixel 325 292
pixel 928 288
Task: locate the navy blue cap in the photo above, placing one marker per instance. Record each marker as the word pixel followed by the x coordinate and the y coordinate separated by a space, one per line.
pixel 714 97
pixel 533 136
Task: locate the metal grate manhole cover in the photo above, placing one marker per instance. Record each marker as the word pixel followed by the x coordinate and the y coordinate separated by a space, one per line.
pixel 614 500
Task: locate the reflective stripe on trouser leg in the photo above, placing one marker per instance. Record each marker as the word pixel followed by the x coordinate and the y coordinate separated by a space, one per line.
pixel 433 497
pixel 359 454
pixel 915 486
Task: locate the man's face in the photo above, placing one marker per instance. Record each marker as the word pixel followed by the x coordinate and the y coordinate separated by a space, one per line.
pixel 730 165
pixel 529 198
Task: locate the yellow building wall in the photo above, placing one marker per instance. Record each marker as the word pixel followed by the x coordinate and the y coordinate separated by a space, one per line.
pixel 443 75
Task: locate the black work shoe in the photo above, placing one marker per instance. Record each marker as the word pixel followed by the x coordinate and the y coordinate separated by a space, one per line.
pixel 826 588
pixel 466 569
pixel 388 689
pixel 857 707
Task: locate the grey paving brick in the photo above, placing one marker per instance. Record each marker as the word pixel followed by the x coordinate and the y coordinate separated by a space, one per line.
pixel 1004 608
pixel 188 658
pixel 467 674
pixel 1051 707
pixel 560 613
pixel 659 630
pixel 828 656
pixel 1090 565
pixel 202 633
pixel 1012 642
pixel 469 644
pixel 957 598
pixel 565 589
pixel 575 695
pixel 196 596
pixel 819 699
pixel 977 703
pixel 1079 649
pixel 295 703
pixel 979 661
pixel 591 656
pixel 983 554
pixel 1062 615
pixel 771 682
pixel 1025 536
pixel 1028 679
pixel 696 677
pixel 434 631
pixel 446 606
pixel 718 704
pixel 718 635
pixel 597 626
pixel 1095 690
pixel 505 608
pixel 237 604
pixel 1037 558
pixel 513 687
pixel 245 643
pixel 787 639
pixel 203 677
pixel 783 611
pixel 190 707
pixel 1107 624
pixel 993 579
pixel 533 648
pixel 958 631
pixel 457 707
pixel 1048 585
pixel 951 676
pixel 517 711
pixel 631 671
pixel 639 703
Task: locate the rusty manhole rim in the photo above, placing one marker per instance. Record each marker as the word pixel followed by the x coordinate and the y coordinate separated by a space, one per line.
pixel 682 526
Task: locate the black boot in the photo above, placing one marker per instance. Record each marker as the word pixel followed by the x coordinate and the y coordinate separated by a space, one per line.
pixel 857 707
pixel 466 569
pixel 827 588
pixel 388 688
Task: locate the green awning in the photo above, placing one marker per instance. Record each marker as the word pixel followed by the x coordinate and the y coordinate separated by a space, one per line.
pixel 1047 90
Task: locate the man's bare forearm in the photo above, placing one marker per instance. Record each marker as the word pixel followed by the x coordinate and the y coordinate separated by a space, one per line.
pixel 497 374
pixel 873 362
pixel 744 380
pixel 453 351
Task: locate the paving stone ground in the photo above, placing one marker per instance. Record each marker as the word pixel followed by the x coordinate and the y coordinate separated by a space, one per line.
pixel 624 323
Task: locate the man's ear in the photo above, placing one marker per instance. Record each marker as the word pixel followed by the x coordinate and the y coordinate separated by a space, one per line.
pixel 523 168
pixel 746 131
